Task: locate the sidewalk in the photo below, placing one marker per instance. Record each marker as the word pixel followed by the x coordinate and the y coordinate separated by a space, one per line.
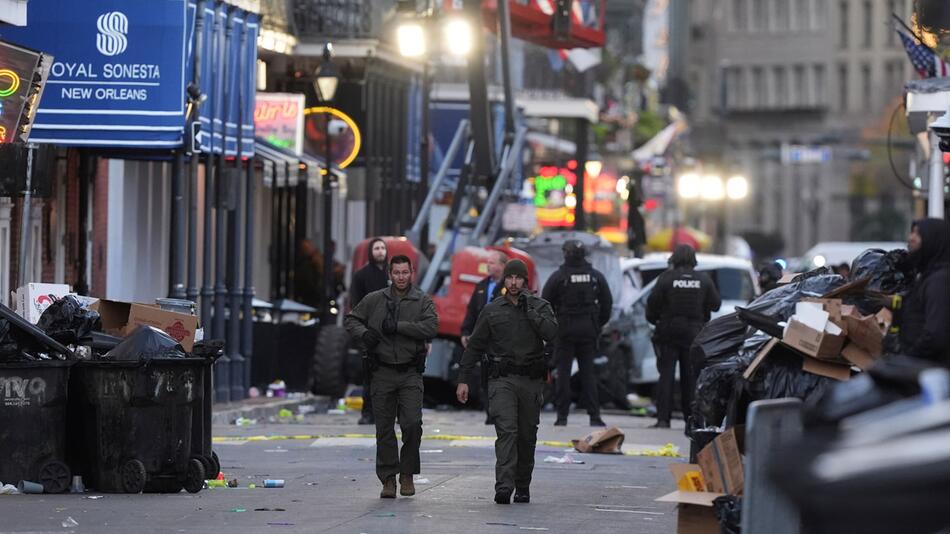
pixel 265 407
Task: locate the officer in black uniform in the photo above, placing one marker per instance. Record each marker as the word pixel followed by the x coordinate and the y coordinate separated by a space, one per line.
pixel 679 306
pixel 582 301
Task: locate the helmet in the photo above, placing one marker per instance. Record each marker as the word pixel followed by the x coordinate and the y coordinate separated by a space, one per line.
pixel 574 249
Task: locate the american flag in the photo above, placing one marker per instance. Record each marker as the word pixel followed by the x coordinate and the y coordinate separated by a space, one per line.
pixel 927 63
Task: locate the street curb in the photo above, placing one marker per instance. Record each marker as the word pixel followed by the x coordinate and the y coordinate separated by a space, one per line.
pixel 226 415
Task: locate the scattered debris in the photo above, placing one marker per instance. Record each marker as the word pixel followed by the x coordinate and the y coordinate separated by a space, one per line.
pixel 70 522
pixel 269 510
pixel 94 497
pixel 387 514
pixel 8 489
pixel 420 480
pixel 238 510
pixel 566 459
pixel 431 451
pixel 244 421
pixel 668 450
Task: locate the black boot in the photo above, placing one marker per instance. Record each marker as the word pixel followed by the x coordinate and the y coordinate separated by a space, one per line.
pixel 367 419
pixel 503 497
pixel 597 421
pixel 522 495
pixel 561 421
pixel 661 424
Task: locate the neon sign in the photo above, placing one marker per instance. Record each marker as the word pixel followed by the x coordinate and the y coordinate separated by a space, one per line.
pixel 354 148
pixel 279 119
pixel 14 82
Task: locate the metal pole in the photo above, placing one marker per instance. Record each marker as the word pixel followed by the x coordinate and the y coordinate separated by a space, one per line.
pixel 583 146
pixel 25 220
pixel 247 327
pixel 176 263
pixel 327 231
pixel 504 31
pixel 195 162
pixel 221 208
pixel 207 288
pixel 935 195
pixel 238 385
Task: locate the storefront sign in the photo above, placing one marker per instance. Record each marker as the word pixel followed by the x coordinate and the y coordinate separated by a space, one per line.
pixel 278 118
pixel 16 70
pixel 118 75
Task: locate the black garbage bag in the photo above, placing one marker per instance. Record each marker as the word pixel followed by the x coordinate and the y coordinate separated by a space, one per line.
pixel 9 348
pixel 781 375
pixel 889 272
pixel 211 349
pixel 891 379
pixel 779 304
pixel 66 321
pixel 728 510
pixel 761 322
pixel 146 343
pixel 719 338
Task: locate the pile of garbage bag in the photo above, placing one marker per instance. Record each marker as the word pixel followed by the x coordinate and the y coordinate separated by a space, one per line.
pixel 728 345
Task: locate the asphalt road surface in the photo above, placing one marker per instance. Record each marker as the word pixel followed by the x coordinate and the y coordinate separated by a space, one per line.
pixel 327 463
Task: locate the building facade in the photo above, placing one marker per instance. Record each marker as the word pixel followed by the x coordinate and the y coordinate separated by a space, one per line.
pixel 798 95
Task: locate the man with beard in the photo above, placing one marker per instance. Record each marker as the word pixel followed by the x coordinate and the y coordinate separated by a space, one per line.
pixel 372 277
pixel 512 331
pixel 485 291
pixel 395 325
pixel 925 312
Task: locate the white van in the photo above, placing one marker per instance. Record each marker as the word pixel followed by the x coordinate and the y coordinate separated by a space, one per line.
pixel 831 254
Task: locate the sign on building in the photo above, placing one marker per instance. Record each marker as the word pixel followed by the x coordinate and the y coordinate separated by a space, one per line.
pixel 279 119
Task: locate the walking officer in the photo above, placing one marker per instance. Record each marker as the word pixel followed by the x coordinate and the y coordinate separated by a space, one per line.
pixel 486 291
pixel 394 325
pixel 582 301
pixel 679 306
pixel 512 331
pixel 372 277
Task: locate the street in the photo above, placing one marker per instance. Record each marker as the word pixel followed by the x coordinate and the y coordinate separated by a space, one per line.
pixel 331 485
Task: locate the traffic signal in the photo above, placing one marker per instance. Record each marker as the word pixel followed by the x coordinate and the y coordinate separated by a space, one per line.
pixel 561 21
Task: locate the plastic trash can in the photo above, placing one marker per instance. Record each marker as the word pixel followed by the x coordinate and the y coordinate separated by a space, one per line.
pixel 136 423
pixel 33 400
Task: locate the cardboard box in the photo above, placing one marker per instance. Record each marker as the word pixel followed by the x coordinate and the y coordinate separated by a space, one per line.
pixel 859 357
pixel 31 300
pixel 122 318
pixel 839 370
pixel 788 278
pixel 607 441
pixel 721 462
pixel 815 343
pixel 695 513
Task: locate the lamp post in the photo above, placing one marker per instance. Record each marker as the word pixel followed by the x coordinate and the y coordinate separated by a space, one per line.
pixel 326 79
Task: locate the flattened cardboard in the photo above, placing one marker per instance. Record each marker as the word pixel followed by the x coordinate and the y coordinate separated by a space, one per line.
pixel 759 358
pixel 861 358
pixel 721 463
pixel 865 332
pixel 826 368
pixel 607 441
pixel 698 498
pixel 788 278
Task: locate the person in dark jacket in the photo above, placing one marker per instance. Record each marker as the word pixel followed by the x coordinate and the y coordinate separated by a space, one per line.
pixel 372 277
pixel 925 312
pixel 581 299
pixel 680 304
pixel 485 291
pixel 512 330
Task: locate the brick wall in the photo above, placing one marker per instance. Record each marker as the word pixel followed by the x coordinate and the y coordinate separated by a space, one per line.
pixel 100 224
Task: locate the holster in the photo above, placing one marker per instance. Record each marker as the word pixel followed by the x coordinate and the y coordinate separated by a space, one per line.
pixel 370 366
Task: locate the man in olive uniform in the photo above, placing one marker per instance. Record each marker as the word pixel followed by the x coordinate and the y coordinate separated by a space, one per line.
pixel 372 277
pixel 394 325
pixel 512 331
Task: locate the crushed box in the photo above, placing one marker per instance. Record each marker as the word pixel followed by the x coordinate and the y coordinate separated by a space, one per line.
pixel 31 300
pixel 122 318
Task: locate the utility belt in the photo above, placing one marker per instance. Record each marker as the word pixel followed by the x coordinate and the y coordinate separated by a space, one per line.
pixel 418 363
pixel 500 367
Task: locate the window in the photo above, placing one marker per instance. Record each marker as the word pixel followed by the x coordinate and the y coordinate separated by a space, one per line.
pixel 820 97
pixel 760 17
pixel 782 15
pixel 801 89
pixel 739 90
pixel 740 15
pixel 868 24
pixel 801 16
pixel 758 87
pixel 891 34
pixel 843 15
pixel 866 86
pixel 733 284
pixel 843 87
pixel 781 87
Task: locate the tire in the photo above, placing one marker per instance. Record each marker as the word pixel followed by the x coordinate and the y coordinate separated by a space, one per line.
pixel 55 477
pixel 134 476
pixel 328 362
pixel 216 465
pixel 195 476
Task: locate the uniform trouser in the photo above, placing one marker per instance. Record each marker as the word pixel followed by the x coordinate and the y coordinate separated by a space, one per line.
pixel 669 354
pixel 515 404
pixel 397 392
pixel 565 350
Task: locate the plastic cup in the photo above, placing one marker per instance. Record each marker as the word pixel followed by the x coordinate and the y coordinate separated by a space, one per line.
pixel 25 486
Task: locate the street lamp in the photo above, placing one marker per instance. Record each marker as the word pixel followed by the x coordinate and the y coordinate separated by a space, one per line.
pixel 326 79
pixel 737 187
pixel 712 188
pixel 689 186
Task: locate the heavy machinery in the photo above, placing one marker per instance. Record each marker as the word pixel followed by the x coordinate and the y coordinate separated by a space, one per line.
pixel 485 185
